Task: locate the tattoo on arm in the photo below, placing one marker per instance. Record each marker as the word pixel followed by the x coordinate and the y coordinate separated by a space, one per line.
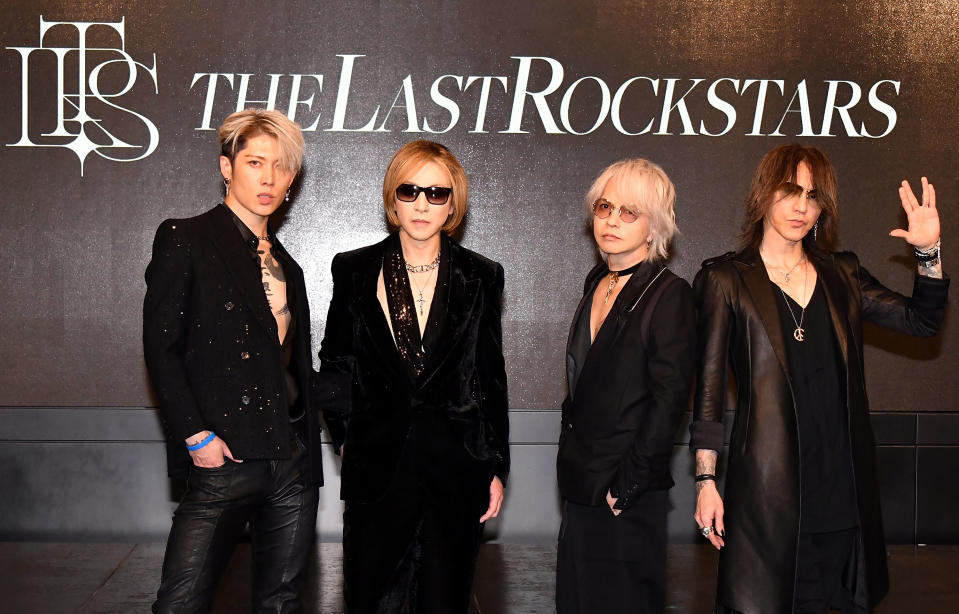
pixel 705 463
pixel 934 271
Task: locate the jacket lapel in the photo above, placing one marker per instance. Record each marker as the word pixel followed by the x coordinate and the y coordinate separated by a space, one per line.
pixel 757 283
pixel 574 355
pixel 236 259
pixel 610 330
pixel 370 311
pixel 460 311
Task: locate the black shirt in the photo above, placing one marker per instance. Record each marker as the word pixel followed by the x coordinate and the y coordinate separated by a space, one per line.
pixel 828 500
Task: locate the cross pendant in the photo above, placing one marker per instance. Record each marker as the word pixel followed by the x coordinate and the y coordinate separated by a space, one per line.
pixel 420 301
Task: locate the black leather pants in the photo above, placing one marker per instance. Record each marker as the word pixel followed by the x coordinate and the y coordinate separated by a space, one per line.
pixel 275 498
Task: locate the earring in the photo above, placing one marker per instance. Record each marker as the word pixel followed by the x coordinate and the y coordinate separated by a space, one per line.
pixel 287 199
pixel 649 241
pixel 226 185
pixel 815 227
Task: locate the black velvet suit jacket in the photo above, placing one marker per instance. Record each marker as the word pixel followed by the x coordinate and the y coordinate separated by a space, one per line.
pixel 371 398
pixel 627 394
pixel 740 329
pixel 211 345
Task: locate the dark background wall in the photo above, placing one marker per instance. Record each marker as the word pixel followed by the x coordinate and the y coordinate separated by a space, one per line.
pixel 716 84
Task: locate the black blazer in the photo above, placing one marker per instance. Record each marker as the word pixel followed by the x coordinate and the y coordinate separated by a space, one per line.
pixel 211 345
pixel 740 329
pixel 627 394
pixel 371 397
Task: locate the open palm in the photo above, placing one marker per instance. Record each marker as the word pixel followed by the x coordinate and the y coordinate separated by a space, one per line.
pixel 923 218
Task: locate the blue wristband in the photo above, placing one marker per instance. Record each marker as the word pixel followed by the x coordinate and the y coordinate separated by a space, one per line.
pixel 200 444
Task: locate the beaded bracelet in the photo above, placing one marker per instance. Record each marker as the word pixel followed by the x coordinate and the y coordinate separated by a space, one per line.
pixel 200 444
pixel 930 254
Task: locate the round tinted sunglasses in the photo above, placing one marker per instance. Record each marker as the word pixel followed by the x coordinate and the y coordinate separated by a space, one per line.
pixel 435 195
pixel 602 209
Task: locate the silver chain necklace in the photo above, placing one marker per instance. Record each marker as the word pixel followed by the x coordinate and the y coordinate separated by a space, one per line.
pixel 799 334
pixel 420 302
pixel 423 268
pixel 786 274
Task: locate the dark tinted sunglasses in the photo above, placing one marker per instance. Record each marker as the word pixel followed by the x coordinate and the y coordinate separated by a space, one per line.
pixel 435 195
pixel 794 188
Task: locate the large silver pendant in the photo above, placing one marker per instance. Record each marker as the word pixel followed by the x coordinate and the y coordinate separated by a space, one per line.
pixel 422 301
pixel 799 334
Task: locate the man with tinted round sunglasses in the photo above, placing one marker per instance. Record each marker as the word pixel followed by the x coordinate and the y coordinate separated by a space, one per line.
pixel 630 361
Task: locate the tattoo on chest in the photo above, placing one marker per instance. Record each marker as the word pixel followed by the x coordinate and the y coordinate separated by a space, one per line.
pixel 274 268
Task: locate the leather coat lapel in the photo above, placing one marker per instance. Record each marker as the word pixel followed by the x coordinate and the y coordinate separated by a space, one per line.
pixel 757 283
pixel 837 297
pixel 237 260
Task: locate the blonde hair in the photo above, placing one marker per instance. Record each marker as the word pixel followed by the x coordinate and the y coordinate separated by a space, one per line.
pixel 244 125
pixel 410 158
pixel 650 192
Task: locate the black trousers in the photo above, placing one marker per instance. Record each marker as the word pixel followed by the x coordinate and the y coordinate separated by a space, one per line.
pixel 613 564
pixel 280 506
pixel 415 549
pixel 820 567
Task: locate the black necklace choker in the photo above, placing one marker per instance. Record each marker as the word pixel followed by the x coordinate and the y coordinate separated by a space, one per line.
pixel 627 271
pixel 614 278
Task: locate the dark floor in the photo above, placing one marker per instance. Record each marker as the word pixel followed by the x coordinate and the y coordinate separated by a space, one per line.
pixel 37 578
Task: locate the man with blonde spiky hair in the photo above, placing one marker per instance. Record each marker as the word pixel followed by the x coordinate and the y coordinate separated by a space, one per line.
pixel 226 336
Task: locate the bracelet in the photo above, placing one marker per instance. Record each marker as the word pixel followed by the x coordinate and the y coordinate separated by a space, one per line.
pixel 930 254
pixel 702 477
pixel 200 444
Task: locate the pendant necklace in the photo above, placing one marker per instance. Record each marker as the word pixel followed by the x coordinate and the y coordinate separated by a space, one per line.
pixel 614 279
pixel 420 302
pixel 799 334
pixel 786 274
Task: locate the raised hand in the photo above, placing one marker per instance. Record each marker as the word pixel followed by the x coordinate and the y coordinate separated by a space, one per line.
pixel 923 218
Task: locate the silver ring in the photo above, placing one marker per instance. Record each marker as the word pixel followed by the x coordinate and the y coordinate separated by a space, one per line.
pixel 706 531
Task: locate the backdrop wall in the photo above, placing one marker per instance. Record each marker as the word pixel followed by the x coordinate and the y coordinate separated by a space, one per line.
pixel 109 128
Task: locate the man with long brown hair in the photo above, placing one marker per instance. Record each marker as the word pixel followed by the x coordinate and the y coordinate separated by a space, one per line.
pixel 800 529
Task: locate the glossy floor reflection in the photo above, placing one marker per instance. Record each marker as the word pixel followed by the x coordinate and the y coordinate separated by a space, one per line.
pixel 40 578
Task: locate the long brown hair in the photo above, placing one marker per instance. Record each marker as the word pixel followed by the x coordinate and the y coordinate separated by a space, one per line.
pixel 776 169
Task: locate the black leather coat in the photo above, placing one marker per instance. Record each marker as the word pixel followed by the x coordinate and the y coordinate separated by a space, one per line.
pixel 370 396
pixel 740 329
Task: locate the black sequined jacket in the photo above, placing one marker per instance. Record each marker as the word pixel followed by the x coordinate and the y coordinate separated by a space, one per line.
pixel 211 345
pixel 740 331
pixel 370 397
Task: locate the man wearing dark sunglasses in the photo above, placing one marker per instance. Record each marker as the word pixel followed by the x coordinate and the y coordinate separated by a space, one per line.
pixel 413 349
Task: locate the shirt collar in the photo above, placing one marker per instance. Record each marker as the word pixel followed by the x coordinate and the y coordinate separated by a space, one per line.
pixel 251 240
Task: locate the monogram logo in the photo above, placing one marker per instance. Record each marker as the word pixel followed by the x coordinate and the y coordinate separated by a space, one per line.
pixel 94 72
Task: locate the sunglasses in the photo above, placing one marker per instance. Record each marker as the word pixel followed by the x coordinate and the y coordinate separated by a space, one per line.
pixel 435 195
pixel 791 188
pixel 602 209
